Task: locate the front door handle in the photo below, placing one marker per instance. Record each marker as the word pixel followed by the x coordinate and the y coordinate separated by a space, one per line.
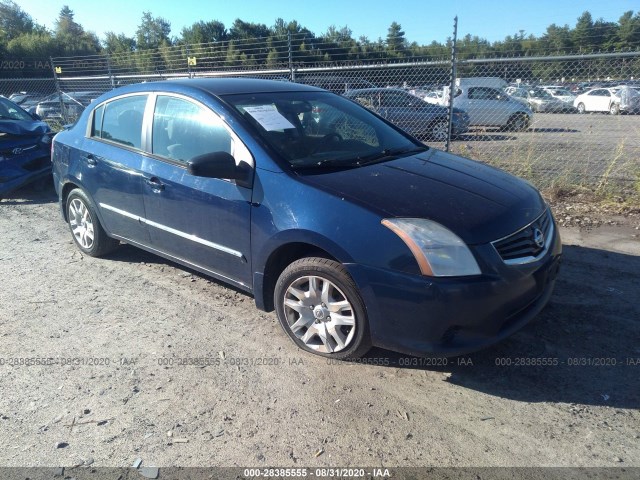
pixel 155 184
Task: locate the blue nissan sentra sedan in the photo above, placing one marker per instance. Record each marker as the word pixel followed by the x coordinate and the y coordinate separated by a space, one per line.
pixel 352 230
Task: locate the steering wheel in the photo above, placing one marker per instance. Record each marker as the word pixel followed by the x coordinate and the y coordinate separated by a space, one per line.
pixel 328 138
pixel 333 137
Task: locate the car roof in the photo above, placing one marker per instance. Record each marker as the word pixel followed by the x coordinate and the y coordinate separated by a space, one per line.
pixel 217 86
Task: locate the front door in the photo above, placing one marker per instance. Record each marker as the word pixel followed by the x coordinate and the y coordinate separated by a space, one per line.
pixel 203 221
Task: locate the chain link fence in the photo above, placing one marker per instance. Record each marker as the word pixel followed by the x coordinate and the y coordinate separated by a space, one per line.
pixel 28 92
pixel 557 120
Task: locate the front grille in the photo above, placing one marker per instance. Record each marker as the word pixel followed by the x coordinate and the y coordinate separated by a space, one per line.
pixel 528 243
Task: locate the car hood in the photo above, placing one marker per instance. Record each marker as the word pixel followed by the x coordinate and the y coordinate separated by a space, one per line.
pixel 477 202
pixel 23 127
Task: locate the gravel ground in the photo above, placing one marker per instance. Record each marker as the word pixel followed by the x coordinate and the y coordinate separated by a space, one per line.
pixel 121 328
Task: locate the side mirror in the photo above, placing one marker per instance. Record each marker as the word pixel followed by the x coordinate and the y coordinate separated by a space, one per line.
pixel 218 165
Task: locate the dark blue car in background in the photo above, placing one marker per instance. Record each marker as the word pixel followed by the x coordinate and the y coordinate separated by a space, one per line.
pixel 25 144
pixel 352 230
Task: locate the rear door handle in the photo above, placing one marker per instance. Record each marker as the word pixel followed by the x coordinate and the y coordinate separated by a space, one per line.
pixel 90 159
pixel 155 184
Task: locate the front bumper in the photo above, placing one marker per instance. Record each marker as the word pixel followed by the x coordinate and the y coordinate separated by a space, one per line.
pixel 417 315
pixel 18 171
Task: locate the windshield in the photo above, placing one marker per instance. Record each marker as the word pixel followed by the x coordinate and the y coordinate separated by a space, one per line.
pixel 320 129
pixel 11 111
pixel 539 93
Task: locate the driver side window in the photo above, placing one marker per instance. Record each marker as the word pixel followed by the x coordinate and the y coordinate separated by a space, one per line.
pixel 183 130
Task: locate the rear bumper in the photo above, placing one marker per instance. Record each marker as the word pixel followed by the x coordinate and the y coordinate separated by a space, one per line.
pixel 417 315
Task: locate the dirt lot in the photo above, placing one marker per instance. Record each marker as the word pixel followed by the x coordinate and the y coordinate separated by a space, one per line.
pixel 569 148
pixel 117 329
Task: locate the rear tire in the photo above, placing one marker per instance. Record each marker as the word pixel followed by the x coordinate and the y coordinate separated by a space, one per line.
pixel 614 109
pixel 581 108
pixel 86 230
pixel 319 307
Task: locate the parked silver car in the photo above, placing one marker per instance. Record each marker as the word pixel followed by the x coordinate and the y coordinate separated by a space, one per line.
pixel 411 113
pixel 560 93
pixel 539 100
pixel 492 107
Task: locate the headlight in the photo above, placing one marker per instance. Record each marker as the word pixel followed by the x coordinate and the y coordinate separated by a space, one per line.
pixel 438 251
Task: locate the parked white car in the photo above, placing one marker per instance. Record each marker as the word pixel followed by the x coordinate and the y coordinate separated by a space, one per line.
pixel 613 100
pixel 436 97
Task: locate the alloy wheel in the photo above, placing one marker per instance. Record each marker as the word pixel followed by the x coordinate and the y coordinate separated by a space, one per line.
pixel 81 223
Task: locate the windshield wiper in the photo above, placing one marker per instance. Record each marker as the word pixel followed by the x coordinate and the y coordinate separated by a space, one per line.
pixel 351 162
pixel 389 154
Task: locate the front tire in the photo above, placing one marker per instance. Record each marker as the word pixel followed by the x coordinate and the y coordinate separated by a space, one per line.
pixel 581 108
pixel 518 122
pixel 87 232
pixel 439 131
pixel 320 308
pixel 614 109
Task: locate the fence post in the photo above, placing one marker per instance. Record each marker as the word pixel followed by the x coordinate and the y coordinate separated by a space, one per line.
pixel 63 112
pixel 113 84
pixel 452 81
pixel 188 60
pixel 292 73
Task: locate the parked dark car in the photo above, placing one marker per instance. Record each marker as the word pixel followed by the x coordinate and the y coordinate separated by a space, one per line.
pixel 26 99
pixel 25 144
pixel 357 236
pixel 74 103
pixel 411 113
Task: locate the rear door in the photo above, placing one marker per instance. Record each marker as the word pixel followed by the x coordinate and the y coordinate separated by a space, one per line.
pixel 202 221
pixel 598 100
pixel 111 162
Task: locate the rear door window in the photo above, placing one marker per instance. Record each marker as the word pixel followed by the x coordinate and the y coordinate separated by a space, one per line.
pixel 483 93
pixel 121 121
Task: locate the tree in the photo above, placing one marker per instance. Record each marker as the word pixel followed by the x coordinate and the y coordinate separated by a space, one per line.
pixel 204 32
pixel 65 24
pixel 119 43
pixel 396 43
pixel 241 30
pixel 628 32
pixel 583 33
pixel 13 21
pixel 71 37
pixel 152 32
pixel 33 45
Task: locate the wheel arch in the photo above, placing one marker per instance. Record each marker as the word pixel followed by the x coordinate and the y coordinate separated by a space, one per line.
pixel 67 188
pixel 277 257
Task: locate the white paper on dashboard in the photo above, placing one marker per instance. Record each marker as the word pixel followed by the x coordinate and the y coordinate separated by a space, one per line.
pixel 268 117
